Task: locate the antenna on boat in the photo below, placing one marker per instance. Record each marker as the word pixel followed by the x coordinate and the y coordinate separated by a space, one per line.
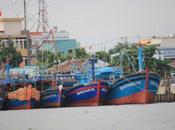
pixel 7 69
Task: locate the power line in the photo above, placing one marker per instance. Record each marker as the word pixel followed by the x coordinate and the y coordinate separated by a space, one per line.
pixel 118 39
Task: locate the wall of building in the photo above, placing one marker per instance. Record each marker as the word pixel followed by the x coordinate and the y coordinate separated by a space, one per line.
pixel 168 43
pixel 62 35
pixel 166 46
pixel 12 28
pixel 60 42
pixel 1 27
pixel 64 46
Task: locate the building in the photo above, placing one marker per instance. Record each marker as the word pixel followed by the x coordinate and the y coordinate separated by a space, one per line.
pixel 165 44
pixel 63 43
pixel 11 28
pixel 42 41
pixel 64 46
pixel 53 41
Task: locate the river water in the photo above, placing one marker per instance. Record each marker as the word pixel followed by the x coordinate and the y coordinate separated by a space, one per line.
pixel 159 116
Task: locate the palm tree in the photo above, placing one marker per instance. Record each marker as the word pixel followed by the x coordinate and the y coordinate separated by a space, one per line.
pixel 80 53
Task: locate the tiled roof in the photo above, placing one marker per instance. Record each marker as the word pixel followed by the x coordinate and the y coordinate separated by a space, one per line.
pixel 67 66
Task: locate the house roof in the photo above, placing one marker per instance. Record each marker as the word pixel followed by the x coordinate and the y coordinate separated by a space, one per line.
pixel 67 66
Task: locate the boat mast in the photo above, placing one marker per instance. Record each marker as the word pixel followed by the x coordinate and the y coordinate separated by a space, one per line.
pixel 93 60
pixel 140 53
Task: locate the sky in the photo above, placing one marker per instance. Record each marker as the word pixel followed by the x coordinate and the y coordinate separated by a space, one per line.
pixel 102 23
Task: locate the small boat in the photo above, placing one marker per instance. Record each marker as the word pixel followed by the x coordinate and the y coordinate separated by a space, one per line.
pixel 91 94
pixel 24 97
pixel 52 96
pixel 15 104
pixel 1 102
pixel 4 84
pixel 134 89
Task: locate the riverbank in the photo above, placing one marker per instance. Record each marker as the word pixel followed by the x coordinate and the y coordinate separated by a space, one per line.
pixel 158 116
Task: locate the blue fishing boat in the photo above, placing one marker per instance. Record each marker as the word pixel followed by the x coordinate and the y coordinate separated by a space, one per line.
pixel 88 92
pixel 51 94
pixel 137 88
pixel 1 102
pixel 25 96
pixel 140 87
pixel 1 95
pixel 16 104
pixel 91 94
pixel 52 98
pixel 4 86
pixel 21 94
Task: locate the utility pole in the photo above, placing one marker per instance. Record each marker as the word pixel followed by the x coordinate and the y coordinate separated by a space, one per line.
pixel 27 33
pixel 25 18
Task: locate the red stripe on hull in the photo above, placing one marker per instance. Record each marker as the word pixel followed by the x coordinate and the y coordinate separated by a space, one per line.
pixel 54 104
pixel 21 107
pixel 138 98
pixel 89 102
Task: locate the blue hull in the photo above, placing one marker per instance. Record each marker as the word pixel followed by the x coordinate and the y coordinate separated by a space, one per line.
pixel 134 89
pixel 87 95
pixel 15 104
pixel 1 102
pixel 52 98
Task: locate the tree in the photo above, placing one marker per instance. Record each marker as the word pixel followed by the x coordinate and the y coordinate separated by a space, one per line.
pixel 103 55
pixel 70 54
pixel 8 53
pixel 154 65
pixel 80 53
pixel 117 48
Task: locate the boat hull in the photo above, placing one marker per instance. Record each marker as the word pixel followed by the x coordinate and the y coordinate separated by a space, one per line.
pixel 1 102
pixel 52 98
pixel 92 94
pixel 15 104
pixel 134 89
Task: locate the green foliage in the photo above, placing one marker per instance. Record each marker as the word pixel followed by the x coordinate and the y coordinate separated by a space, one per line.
pixel 48 59
pixel 117 48
pixel 118 56
pixel 9 53
pixel 154 65
pixel 80 53
pixel 103 55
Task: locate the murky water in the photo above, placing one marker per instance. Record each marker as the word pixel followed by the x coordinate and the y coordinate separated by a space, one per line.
pixel 124 117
